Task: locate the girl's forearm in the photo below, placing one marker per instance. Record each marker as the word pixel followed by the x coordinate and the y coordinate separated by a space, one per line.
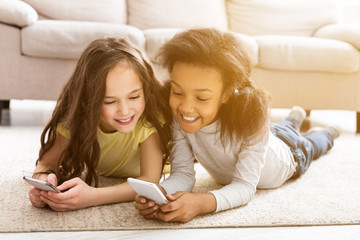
pixel 114 194
pixel 39 172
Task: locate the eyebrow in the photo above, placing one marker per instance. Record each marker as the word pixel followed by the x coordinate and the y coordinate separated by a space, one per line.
pixel 132 92
pixel 198 90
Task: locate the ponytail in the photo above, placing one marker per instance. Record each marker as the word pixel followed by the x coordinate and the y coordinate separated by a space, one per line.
pixel 245 116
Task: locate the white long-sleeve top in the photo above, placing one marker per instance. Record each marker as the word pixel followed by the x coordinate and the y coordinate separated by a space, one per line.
pixel 265 164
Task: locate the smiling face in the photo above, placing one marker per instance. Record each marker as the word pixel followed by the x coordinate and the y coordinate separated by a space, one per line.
pixel 196 96
pixel 124 100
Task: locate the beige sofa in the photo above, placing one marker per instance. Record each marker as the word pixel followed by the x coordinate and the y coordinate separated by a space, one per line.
pixel 301 51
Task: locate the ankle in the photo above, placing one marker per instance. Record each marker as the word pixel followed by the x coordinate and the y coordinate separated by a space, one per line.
pixel 297 116
pixel 333 131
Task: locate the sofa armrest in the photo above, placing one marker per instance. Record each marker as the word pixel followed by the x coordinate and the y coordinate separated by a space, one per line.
pixel 349 33
pixel 18 13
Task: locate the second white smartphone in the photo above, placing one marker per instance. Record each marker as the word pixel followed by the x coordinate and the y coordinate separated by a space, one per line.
pixel 148 190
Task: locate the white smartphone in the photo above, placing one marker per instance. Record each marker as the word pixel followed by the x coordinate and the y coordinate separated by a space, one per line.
pixel 41 184
pixel 148 190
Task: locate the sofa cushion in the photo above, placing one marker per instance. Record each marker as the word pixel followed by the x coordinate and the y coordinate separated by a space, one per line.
pixel 177 14
pixel 344 32
pixel 251 47
pixel 307 54
pixel 282 17
pixel 17 13
pixel 82 10
pixel 67 39
pixel 155 38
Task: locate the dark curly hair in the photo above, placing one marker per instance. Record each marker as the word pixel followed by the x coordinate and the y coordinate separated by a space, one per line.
pixel 245 115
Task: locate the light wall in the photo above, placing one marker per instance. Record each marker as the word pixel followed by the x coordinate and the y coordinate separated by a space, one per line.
pixel 351 11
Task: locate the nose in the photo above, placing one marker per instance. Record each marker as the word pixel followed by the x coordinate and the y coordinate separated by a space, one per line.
pixel 187 106
pixel 123 108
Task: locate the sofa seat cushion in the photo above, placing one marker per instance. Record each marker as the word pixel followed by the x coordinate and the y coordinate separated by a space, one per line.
pixel 307 54
pixel 155 38
pixel 146 14
pixel 114 11
pixel 67 39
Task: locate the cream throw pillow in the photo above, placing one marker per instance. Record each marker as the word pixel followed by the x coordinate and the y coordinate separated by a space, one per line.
pixel 113 11
pixel 349 33
pixel 281 17
pixel 17 13
pixel 295 53
pixel 146 14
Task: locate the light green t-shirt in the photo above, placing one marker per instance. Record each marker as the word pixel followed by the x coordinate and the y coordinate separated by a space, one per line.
pixel 119 153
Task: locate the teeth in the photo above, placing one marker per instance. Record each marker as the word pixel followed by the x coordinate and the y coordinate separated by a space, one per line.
pixel 189 118
pixel 124 121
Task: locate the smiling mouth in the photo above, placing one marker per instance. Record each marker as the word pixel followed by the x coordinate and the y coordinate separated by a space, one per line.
pixel 189 119
pixel 125 121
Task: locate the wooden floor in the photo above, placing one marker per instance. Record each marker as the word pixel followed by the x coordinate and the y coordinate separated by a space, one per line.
pixel 37 113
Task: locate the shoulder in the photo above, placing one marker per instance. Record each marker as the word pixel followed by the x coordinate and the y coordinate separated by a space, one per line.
pixel 63 130
pixel 143 130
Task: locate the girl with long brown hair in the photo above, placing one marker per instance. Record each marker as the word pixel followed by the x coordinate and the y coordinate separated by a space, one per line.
pixel 221 119
pixel 109 120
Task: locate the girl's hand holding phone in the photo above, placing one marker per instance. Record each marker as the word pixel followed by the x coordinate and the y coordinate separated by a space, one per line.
pixel 185 206
pixel 77 195
pixel 147 208
pixel 35 194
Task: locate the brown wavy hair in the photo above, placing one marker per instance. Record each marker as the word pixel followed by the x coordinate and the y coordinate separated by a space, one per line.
pixel 79 107
pixel 245 115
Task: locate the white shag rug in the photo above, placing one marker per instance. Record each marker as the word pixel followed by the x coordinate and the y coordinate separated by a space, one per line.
pixel 328 194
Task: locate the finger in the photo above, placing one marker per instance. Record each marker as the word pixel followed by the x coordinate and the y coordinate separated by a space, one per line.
pixel 34 197
pixel 149 211
pixel 56 197
pixel 141 206
pixel 51 178
pixel 151 216
pixel 139 199
pixel 34 191
pixel 38 204
pixel 167 217
pixel 170 197
pixel 36 201
pixel 59 207
pixel 145 202
pixel 170 207
pixel 69 184
pixel 174 196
